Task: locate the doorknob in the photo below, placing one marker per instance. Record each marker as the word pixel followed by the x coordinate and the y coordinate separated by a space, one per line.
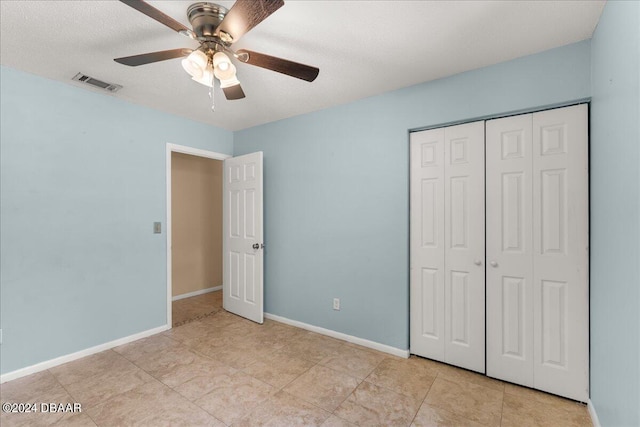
pixel 477 262
pixel 256 246
pixel 494 263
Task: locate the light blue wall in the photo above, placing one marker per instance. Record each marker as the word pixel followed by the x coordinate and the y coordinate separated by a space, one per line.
pixel 337 187
pixel 615 215
pixel 82 180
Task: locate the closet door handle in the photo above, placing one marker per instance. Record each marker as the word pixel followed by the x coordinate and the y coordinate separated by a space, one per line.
pixel 477 262
pixel 494 263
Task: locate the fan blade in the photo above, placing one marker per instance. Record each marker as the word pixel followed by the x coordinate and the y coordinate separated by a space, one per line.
pixel 233 92
pixel 290 68
pixel 154 13
pixel 244 15
pixel 148 58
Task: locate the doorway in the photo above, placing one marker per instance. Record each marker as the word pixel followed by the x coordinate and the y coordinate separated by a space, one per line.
pixel 194 233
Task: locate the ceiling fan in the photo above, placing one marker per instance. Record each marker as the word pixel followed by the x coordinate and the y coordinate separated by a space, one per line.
pixel 216 29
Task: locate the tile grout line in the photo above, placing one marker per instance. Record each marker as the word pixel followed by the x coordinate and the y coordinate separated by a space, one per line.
pixel 311 403
pixel 424 398
pixel 245 373
pixel 360 381
pixel 69 393
pixel 444 378
pixel 502 408
pixel 166 385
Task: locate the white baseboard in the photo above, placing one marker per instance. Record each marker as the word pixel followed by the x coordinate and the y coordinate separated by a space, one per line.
pixel 339 335
pixel 592 411
pixel 18 373
pixel 196 293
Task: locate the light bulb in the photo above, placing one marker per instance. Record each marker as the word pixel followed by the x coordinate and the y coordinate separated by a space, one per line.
pixel 221 61
pixel 195 64
pixel 227 74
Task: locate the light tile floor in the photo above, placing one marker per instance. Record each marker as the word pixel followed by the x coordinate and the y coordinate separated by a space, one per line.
pixel 224 370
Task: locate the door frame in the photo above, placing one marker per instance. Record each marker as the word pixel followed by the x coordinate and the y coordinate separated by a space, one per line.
pixel 174 148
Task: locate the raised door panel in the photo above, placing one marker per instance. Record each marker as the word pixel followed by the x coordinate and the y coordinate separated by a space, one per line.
pixel 427 244
pixel 464 246
pixel 235 207
pixel 513 317
pixel 429 311
pixel 560 231
pixel 509 271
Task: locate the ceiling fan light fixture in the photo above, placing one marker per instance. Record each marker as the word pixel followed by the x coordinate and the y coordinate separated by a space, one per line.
pixel 195 64
pixel 206 78
pixel 216 28
pixel 227 74
pixel 221 61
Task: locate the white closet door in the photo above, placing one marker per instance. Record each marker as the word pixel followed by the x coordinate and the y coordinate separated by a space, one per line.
pixel 464 292
pixel 509 249
pixel 561 240
pixel 537 249
pixel 447 245
pixel 427 244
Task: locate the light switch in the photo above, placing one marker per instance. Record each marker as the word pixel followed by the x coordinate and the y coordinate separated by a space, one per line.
pixel 157 227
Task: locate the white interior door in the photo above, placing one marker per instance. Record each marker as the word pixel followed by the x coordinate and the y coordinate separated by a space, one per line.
pixel 464 289
pixel 447 245
pixel 427 244
pixel 561 252
pixel 509 249
pixel 243 236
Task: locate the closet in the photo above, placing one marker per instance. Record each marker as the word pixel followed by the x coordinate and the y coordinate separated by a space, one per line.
pixel 529 174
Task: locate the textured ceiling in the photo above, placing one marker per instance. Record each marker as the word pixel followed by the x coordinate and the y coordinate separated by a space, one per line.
pixel 362 48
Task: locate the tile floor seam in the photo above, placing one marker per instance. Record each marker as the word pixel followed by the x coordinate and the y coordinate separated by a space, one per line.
pixel 436 405
pixel 390 389
pixel 360 381
pixel 160 380
pixel 338 416
pixel 193 402
pixel 502 409
pixel 228 425
pixel 324 409
pixel 301 399
pixel 71 395
pixel 345 399
pixel 422 401
pixel 364 377
pixel 307 370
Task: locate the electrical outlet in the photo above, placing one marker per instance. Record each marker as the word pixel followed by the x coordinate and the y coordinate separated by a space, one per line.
pixel 336 303
pixel 157 227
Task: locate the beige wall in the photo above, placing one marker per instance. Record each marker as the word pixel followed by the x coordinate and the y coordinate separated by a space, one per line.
pixel 196 223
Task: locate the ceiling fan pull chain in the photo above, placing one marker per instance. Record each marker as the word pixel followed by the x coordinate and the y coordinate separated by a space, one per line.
pixel 211 94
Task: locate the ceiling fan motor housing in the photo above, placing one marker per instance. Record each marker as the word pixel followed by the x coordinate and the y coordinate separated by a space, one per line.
pixel 205 18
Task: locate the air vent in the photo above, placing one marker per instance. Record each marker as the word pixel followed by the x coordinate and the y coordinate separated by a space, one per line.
pixel 110 87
